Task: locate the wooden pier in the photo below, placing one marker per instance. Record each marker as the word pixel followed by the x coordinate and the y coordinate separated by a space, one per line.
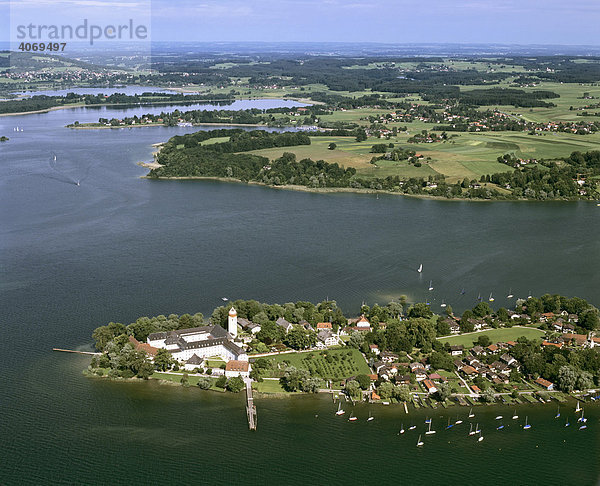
pixel 250 407
pixel 77 352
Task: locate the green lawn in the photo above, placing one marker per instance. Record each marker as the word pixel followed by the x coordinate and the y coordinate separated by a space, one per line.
pixel 495 335
pixel 193 380
pixel 269 386
pixel 317 363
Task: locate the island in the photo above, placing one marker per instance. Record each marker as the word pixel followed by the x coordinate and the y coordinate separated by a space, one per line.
pixel 545 348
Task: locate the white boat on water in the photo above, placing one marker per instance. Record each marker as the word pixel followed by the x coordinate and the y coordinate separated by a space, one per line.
pixel 429 432
pixel 515 416
pixel 352 418
pixel 491 299
pixel 419 442
pixel 443 304
pixel 401 429
pixel 471 414
pixel 412 427
pixel 471 430
pixel 420 269
pixel 578 408
pixel 510 294
pixel 526 426
pixel 458 421
pixel 480 437
pixel 430 285
pixel 339 410
pixel 370 417
pixel 499 417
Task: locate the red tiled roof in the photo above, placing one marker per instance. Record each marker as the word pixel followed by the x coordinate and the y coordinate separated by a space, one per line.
pixel 235 365
pixel 150 350
pixel 323 325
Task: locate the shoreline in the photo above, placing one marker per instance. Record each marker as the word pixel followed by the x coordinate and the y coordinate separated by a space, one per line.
pixel 334 190
pixel 104 127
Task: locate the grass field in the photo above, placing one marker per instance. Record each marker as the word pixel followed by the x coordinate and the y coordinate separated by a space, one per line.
pixel 175 378
pixel 269 386
pixel 495 335
pixel 328 364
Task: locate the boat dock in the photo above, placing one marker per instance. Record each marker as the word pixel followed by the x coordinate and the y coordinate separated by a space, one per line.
pixel 250 407
pixel 76 352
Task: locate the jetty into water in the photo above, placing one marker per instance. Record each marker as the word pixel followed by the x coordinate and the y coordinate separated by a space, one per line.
pixel 76 352
pixel 250 407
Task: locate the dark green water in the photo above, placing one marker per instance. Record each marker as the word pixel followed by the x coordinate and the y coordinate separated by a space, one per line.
pixel 117 247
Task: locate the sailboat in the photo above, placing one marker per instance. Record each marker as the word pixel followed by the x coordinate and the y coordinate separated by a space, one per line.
pixel 578 408
pixel 491 299
pixel 352 418
pixel 224 299
pixel 420 269
pixel 339 410
pixel 480 437
pixel 583 427
pixel 458 421
pixel 529 294
pixel 401 430
pixel 430 285
pixel 471 414
pixel 477 429
pixel 427 420
pixel 510 294
pixel 473 432
pixel 412 427
pixel 443 304
pixel 557 412
pixel 526 426
pixel 479 297
pixel 567 423
pixel 449 426
pixel 419 442
pixel 499 417
pixel 370 417
pixel 582 419
pixel 429 432
pixel 462 292
pixel 500 427
pixel 515 416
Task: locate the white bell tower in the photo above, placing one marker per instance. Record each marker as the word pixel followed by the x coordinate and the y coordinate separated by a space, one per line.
pixel 232 322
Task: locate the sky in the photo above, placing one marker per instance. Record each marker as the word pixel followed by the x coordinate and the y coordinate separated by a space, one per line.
pixel 569 22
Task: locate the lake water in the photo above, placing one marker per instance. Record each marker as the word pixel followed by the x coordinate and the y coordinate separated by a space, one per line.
pixel 118 247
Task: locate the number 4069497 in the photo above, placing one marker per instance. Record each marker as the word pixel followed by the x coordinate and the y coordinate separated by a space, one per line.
pixel 42 46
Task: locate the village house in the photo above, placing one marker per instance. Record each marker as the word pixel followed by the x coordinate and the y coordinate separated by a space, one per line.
pixel 429 386
pixel 323 325
pixel 325 339
pixel 468 370
pixel 402 379
pixel 237 368
pixel 456 350
pixel 477 350
pixel 287 326
pixel 374 348
pixel 508 359
pixel 363 323
pixel 545 384
pixel 388 357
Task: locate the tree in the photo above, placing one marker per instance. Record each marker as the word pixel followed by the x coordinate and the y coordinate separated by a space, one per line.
pixel 589 320
pixel 145 370
pixel 353 389
pixel 584 380
pixel 185 380
pixel 312 385
pixel 567 378
pixel 361 135
pixel 444 390
pixel 484 341
pixel 163 360
pixel 221 381
pixel 235 384
pixel 402 393
pixel 299 338
pixel 441 360
pixel 364 381
pixel 204 382
pixel 332 146
pixel 293 379
pixel 482 309
pixel 443 328
pixel 420 310
pixel 386 390
pixel 488 395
